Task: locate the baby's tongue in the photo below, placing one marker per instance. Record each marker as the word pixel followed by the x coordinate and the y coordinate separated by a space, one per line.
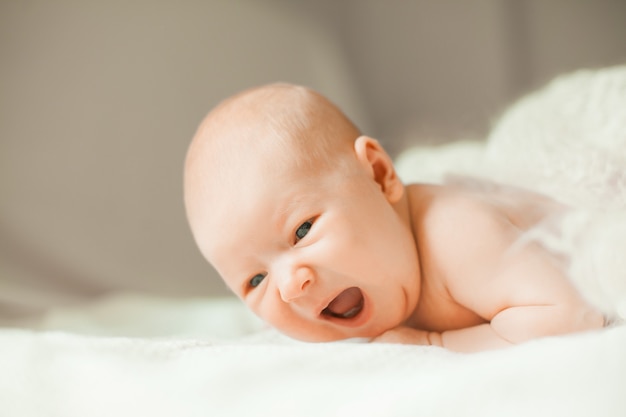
pixel 346 304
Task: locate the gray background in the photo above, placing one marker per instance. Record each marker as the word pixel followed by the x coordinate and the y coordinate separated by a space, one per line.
pixel 98 102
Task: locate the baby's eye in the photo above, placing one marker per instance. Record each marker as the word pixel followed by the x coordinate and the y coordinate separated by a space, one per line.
pixel 256 280
pixel 303 229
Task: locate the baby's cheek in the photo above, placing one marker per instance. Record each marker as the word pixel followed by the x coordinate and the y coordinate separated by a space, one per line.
pixel 275 314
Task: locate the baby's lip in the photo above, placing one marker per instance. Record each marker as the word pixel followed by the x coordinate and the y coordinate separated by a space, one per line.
pixel 347 305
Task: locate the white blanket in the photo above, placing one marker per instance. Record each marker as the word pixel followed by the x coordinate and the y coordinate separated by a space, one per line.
pixel 194 373
pixel 138 356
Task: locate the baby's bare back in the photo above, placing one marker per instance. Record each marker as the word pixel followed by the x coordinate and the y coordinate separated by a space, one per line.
pixel 524 208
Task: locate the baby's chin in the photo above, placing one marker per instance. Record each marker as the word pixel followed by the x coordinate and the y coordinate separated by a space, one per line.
pixel 334 335
pixel 324 337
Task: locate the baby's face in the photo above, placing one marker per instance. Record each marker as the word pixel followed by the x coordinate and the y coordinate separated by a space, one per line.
pixel 318 255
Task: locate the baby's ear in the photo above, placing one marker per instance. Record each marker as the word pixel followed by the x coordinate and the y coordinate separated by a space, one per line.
pixel 379 165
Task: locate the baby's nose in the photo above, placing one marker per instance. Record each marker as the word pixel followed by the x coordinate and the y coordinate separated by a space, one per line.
pixel 296 283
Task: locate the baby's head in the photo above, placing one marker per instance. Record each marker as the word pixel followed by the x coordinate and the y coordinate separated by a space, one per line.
pixel 304 218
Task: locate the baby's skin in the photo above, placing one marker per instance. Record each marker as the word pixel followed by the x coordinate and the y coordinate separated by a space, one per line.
pixel 306 220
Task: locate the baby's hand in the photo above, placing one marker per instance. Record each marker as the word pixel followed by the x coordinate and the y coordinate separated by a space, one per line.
pixel 403 335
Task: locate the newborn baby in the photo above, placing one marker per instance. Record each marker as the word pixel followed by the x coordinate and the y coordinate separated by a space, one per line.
pixel 307 222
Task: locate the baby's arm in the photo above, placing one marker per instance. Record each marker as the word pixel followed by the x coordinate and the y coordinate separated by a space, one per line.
pixel 518 289
pixel 531 298
pixel 518 323
pixel 471 339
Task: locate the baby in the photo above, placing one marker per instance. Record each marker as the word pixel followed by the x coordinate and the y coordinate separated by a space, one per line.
pixel 307 222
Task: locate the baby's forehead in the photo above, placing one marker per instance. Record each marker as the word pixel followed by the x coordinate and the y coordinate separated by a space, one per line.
pixel 233 216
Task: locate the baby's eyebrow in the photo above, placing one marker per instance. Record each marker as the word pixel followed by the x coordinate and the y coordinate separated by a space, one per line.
pixel 284 210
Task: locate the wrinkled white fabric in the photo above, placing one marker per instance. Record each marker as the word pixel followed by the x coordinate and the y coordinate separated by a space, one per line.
pixel 65 375
pixel 568 140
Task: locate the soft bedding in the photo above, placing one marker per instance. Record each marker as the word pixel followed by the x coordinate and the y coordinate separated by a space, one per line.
pixel 74 375
pixel 141 356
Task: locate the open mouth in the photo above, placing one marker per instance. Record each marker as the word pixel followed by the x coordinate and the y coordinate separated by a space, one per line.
pixel 348 304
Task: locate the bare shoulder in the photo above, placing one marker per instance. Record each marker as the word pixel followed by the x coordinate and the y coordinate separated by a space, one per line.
pixel 461 220
pixel 462 239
